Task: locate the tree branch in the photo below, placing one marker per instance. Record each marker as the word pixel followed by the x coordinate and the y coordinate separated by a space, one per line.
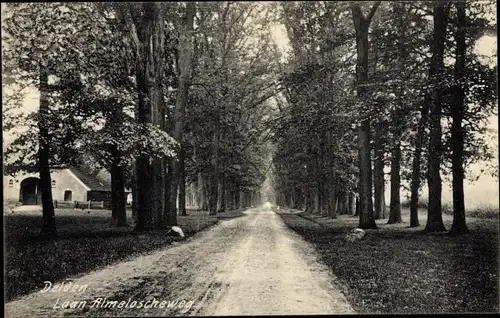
pixel 369 18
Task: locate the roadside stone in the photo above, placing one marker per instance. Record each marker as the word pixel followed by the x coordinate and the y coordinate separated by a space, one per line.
pixel 354 235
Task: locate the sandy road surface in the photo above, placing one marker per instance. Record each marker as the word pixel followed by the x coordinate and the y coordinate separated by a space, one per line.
pixel 250 265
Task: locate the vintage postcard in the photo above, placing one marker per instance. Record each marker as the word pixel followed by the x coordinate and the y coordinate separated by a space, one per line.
pixel 231 158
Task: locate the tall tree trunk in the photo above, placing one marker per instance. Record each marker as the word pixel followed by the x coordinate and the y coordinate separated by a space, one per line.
pixel 332 213
pixel 395 205
pixel 241 199
pixel 118 199
pixel 316 199
pixel 213 175
pixel 201 192
pixel 222 195
pixel 378 173
pixel 459 225
pixel 49 218
pixel 415 173
pixel 434 213
pixel 185 66
pixel 361 24
pixel 307 205
pixel 148 37
pixel 182 183
pixel 398 120
pixel 134 194
pixel 168 196
pixel 227 199
pixel 357 206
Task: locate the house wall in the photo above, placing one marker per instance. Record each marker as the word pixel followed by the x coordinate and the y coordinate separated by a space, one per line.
pixel 64 180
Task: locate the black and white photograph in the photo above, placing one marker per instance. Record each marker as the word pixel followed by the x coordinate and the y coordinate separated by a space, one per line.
pixel 250 158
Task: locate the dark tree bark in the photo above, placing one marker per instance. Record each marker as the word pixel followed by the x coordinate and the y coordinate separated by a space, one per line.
pixel 316 199
pixel 395 205
pixel 332 212
pixel 147 34
pixel 241 199
pixel 415 173
pixel 357 206
pixel 182 183
pixel 434 213
pixel 352 204
pixel 398 120
pixel 221 196
pixel 378 173
pixel 49 218
pixel 118 199
pixel 134 194
pixel 201 192
pixel 185 66
pixel 459 225
pixel 214 172
pixel 361 25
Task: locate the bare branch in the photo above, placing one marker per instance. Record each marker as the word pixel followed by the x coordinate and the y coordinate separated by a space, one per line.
pixel 369 18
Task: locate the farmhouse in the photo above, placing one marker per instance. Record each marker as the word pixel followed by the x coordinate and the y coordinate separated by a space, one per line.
pixel 68 184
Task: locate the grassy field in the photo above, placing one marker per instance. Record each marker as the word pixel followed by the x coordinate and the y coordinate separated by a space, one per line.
pixel 397 269
pixel 85 242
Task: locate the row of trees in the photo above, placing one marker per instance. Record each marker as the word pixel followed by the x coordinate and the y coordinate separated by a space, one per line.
pixel 382 84
pixel 159 94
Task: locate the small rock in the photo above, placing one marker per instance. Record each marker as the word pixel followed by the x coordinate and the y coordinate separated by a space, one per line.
pixel 175 231
pixel 354 235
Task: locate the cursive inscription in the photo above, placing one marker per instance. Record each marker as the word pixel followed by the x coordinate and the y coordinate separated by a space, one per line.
pixel 64 287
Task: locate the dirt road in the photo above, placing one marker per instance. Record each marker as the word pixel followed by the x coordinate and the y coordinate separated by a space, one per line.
pixel 249 265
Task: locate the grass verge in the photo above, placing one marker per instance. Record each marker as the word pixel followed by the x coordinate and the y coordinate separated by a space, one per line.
pixel 397 269
pixel 85 242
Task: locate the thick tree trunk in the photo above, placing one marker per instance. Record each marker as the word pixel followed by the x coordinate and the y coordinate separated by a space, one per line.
pixel 434 213
pixel 378 174
pixel 185 65
pixel 49 218
pixel 118 199
pixel 148 36
pixel 459 225
pixel 361 24
pixel 395 205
